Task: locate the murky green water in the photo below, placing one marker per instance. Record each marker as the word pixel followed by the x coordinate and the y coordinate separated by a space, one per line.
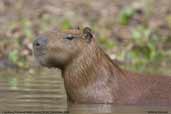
pixel 42 90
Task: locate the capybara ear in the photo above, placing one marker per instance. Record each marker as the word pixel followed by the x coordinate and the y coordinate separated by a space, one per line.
pixel 87 34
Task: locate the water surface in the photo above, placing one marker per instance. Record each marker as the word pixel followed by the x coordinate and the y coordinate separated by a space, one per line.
pixel 42 90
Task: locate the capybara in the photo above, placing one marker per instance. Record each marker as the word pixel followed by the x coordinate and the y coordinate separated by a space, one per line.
pixel 90 76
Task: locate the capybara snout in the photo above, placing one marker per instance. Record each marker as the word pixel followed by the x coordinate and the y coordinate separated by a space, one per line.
pixel 41 41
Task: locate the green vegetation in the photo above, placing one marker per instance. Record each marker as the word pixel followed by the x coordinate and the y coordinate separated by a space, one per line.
pixel 106 43
pixel 125 15
pixel 145 48
pixel 66 24
pixel 147 40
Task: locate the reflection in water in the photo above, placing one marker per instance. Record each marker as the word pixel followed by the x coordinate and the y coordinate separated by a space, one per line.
pixel 112 109
pixel 43 90
pixel 90 108
pixel 13 83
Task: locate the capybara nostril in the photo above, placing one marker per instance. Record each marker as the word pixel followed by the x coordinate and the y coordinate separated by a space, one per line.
pixel 40 41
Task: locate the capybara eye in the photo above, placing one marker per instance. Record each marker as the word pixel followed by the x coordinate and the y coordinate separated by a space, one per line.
pixel 69 37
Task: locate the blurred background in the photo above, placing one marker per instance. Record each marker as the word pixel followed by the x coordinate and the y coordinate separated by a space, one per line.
pixel 135 33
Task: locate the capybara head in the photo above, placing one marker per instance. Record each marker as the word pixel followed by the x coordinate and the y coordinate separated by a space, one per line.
pixel 58 48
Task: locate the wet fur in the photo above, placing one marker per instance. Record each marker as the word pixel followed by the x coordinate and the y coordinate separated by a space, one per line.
pixel 91 76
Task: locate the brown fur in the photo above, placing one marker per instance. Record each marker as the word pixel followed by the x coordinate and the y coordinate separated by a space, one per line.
pixel 90 76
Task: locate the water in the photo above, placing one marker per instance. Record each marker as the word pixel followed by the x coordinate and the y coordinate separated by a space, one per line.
pixel 112 109
pixel 42 90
